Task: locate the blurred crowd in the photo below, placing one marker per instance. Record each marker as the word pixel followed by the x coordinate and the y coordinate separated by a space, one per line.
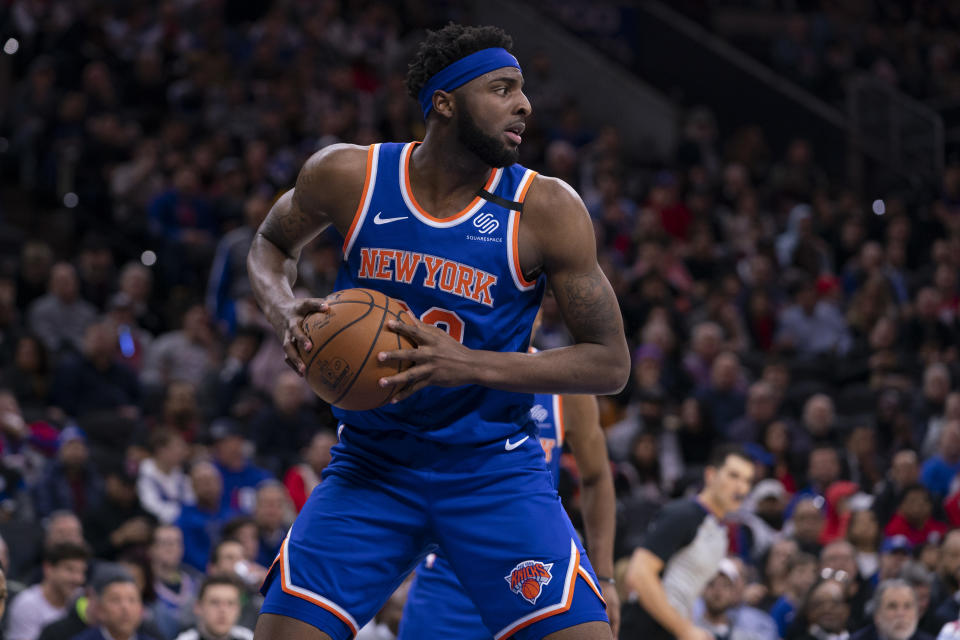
pixel 820 44
pixel 149 426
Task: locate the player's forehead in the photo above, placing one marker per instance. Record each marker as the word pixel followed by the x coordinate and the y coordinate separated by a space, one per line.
pixel 510 75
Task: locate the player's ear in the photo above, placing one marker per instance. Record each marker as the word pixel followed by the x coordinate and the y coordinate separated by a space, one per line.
pixel 443 103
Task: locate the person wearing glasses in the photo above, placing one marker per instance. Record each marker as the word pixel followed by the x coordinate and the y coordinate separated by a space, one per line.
pixel 840 558
pixel 825 609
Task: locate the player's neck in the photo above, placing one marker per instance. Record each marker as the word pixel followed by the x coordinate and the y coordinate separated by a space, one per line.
pixel 711 505
pixel 441 167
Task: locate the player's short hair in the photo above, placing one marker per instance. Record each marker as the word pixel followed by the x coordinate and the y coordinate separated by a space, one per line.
pixel 443 47
pixel 720 454
pixel 217 580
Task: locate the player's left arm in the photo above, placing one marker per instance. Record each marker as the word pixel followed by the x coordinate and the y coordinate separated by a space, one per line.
pixel 556 238
pixel 582 430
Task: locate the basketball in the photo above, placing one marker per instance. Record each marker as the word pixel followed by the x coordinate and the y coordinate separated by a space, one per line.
pixel 530 588
pixel 342 368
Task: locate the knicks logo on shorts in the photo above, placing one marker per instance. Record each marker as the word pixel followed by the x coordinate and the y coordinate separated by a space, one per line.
pixel 529 578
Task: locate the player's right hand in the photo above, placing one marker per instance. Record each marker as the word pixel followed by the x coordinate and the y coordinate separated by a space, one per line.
pixel 293 338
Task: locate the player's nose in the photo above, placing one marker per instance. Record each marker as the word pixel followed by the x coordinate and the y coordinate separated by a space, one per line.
pixel 524 107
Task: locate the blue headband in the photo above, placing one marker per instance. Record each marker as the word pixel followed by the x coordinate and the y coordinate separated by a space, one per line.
pixel 463 71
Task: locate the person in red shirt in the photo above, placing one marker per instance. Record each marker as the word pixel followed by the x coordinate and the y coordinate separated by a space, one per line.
pixel 913 518
pixel 301 479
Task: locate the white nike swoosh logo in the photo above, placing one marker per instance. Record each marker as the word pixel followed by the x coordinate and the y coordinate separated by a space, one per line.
pixel 378 220
pixel 510 446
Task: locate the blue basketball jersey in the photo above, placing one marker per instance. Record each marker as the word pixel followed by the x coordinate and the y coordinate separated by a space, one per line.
pixel 461 274
pixel 547 413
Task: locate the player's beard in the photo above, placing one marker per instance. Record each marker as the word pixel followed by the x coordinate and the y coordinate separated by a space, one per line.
pixel 488 148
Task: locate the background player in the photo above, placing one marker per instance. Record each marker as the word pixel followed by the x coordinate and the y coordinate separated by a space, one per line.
pixel 449 468
pixel 437 605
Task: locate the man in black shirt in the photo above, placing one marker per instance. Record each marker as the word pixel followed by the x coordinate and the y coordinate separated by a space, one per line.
pixel 682 551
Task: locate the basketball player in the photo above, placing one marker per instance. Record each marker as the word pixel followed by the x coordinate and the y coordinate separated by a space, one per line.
pixel 468 239
pixel 438 607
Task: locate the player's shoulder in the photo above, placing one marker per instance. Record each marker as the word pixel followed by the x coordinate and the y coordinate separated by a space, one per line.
pixel 337 158
pixel 685 511
pixel 549 194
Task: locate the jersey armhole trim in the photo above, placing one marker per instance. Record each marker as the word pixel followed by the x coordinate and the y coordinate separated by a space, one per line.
pixel 558 413
pixel 373 154
pixel 566 600
pixel 513 234
pixel 305 594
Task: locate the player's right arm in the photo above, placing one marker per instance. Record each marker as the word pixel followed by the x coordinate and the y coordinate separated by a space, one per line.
pixel 643 578
pixel 327 191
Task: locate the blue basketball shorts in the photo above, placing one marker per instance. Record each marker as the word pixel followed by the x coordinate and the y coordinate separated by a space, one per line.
pixel 389 498
pixel 438 607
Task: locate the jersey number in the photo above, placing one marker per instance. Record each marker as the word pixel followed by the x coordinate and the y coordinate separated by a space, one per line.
pixel 442 319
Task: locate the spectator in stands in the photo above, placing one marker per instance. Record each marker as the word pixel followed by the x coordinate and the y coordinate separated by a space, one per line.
pixel 914 517
pixel 895 614
pixel 947 580
pixel 133 340
pixel 724 614
pixel 217 611
pixel 29 375
pixel 162 484
pixel 240 475
pixel 174 583
pixel 95 270
pixel 136 282
pixel 229 297
pixel 939 470
pixel 60 317
pixel 762 406
pixel 230 389
pixel 181 410
pixel 839 558
pixel 819 421
pixel 921 580
pixel 227 560
pixel 71 481
pixel 863 532
pixel 705 344
pixel 273 515
pixel 302 478
pixel 895 553
pixel 801 574
pixel 197 521
pixel 826 611
pixel 120 523
pixel 723 397
pixel 283 427
pixel 812 327
pixel 119 611
pixel 823 469
pixel 904 472
pixel 187 354
pixel 95 382
pixel 64 573
pixel 930 406
pixel 806 523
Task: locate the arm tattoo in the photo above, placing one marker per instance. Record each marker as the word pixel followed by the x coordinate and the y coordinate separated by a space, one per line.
pixel 592 313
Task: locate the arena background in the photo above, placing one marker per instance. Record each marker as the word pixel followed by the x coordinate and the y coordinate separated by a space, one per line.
pixel 774 185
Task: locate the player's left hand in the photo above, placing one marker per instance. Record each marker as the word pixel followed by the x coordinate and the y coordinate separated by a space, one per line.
pixel 438 359
pixel 612 599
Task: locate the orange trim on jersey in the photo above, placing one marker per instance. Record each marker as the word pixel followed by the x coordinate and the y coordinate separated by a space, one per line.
pixel 421 210
pixel 322 605
pixel 363 198
pixel 566 605
pixel 272 565
pixel 516 233
pixel 586 578
pixel 561 432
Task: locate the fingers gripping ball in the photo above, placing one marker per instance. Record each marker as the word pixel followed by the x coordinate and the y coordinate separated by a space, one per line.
pixel 342 368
